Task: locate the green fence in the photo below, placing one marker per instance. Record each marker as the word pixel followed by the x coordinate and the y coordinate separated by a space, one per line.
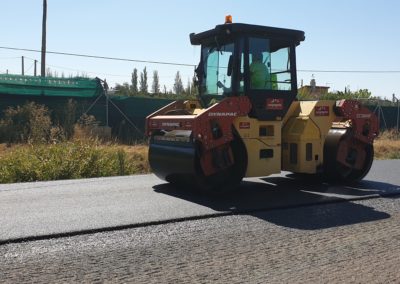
pixel 126 115
pixel 49 86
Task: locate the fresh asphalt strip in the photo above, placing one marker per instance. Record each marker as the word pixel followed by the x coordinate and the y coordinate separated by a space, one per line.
pixel 185 219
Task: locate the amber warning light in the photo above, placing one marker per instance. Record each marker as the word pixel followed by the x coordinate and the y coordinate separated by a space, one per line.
pixel 228 19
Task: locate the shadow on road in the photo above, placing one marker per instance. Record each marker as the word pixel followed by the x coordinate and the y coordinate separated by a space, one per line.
pixel 293 198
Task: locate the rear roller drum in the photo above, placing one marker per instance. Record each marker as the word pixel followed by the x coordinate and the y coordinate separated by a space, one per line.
pixel 346 160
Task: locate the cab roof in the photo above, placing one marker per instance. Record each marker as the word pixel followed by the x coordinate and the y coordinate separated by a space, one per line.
pixel 238 29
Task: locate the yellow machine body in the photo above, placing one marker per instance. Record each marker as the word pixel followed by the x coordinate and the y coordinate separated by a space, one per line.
pixel 263 145
pixel 305 128
pixel 294 144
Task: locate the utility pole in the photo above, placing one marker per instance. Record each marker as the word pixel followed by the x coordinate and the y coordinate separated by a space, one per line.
pixel 35 68
pixel 105 86
pixel 22 66
pixel 43 60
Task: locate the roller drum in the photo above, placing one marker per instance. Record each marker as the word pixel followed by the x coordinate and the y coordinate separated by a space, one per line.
pixel 337 172
pixel 172 161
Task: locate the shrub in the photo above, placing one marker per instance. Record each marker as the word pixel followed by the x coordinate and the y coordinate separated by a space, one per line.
pixel 68 160
pixel 389 134
pixel 65 117
pixel 387 145
pixel 87 120
pixel 28 123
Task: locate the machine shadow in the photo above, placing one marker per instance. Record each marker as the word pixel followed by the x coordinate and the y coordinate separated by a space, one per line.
pixel 291 197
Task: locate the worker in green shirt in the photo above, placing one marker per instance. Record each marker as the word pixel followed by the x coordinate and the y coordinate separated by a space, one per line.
pixel 260 77
pixel 258 72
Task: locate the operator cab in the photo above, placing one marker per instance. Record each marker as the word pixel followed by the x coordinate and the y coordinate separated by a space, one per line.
pixel 251 60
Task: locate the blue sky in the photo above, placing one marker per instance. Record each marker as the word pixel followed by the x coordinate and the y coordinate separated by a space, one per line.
pixel 340 35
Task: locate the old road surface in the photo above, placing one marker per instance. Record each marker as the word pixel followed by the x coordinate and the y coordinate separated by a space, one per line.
pixel 138 229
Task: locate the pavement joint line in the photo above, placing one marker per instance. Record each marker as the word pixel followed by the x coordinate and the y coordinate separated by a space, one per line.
pixel 189 218
pixel 61 182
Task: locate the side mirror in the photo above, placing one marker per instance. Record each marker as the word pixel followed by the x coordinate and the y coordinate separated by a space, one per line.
pixel 198 72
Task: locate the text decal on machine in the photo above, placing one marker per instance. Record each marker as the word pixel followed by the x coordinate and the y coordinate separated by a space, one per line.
pixel 321 111
pixel 274 104
pixel 222 114
pixel 244 125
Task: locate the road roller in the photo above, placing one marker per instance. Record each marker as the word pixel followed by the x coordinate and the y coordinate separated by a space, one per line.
pixel 247 121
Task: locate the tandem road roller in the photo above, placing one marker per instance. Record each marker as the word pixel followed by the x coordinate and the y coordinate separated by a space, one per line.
pixel 247 122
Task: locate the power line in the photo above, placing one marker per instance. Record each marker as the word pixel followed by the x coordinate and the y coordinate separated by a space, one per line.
pixel 192 65
pixel 100 57
pixel 9 57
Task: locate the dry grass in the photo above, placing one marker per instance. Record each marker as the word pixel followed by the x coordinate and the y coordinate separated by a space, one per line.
pixel 387 145
pixel 70 160
pixel 137 153
pixel 387 149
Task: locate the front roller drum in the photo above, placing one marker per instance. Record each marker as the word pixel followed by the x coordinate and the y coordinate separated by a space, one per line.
pixel 171 162
pixel 179 164
pixel 345 159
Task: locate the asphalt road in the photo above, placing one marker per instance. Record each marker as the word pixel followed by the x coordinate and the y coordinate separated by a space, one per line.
pixel 138 229
pixel 344 242
pixel 33 211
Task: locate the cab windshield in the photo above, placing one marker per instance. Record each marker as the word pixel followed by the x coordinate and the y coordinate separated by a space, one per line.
pixel 217 61
pixel 269 65
pixel 266 68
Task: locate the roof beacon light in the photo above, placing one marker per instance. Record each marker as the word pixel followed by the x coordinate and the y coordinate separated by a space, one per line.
pixel 228 19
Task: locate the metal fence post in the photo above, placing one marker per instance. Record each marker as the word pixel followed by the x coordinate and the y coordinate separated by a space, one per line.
pixel 398 114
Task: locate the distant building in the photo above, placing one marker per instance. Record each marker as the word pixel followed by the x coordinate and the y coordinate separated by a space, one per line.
pixel 312 91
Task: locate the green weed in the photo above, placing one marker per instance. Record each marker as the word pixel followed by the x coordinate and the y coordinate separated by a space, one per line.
pixel 68 160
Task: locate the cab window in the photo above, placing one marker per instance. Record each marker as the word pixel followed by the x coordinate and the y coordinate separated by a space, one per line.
pixel 269 65
pixel 218 65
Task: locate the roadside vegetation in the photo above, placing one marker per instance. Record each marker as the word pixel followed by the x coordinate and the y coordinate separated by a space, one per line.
pixel 70 160
pixel 387 145
pixel 39 145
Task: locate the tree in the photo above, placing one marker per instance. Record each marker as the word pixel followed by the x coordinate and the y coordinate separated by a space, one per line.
pixel 134 81
pixel 143 82
pixel 178 86
pixel 122 90
pixel 188 88
pixel 50 73
pixel 155 88
pixel 347 94
pixel 363 94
